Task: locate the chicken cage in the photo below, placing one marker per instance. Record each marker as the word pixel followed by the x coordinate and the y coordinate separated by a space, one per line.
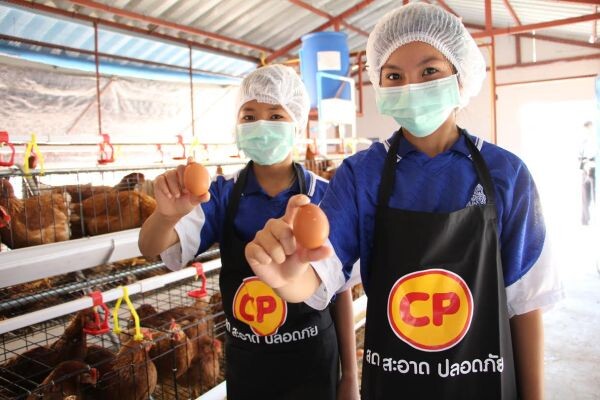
pixel 68 267
pixel 174 352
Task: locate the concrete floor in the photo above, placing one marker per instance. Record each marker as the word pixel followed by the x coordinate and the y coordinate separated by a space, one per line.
pixel 572 328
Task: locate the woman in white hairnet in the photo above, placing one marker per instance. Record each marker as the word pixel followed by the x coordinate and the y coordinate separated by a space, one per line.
pixel 267 339
pixel 448 229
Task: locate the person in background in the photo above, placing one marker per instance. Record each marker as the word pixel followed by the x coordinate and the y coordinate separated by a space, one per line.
pixel 587 164
pixel 268 340
pixel 448 228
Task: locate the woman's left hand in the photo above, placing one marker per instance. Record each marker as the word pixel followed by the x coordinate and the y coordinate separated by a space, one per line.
pixel 348 388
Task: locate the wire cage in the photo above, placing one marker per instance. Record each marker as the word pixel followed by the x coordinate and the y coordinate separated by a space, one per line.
pixel 71 204
pixel 178 356
pixel 67 204
pixel 179 352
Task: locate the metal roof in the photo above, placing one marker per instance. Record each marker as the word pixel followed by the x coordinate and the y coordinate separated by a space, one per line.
pixel 231 36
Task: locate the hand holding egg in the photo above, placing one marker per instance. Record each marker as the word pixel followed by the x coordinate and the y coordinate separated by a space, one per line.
pixel 283 250
pixel 196 179
pixel 311 227
pixel 179 190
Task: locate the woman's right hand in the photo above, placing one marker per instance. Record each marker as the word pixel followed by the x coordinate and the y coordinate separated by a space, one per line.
pixel 173 200
pixel 275 256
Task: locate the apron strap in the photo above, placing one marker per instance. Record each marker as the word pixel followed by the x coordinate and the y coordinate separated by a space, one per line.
pixel 389 170
pixel 482 170
pixel 236 195
pixel 240 184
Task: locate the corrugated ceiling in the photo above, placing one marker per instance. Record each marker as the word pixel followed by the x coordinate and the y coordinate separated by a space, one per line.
pixel 265 25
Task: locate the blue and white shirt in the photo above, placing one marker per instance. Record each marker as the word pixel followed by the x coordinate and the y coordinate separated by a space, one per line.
pixel 445 183
pixel 205 224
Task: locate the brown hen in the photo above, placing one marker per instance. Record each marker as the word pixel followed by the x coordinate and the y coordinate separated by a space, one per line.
pixel 69 378
pixel 36 220
pixel 27 370
pixel 115 211
pixel 134 375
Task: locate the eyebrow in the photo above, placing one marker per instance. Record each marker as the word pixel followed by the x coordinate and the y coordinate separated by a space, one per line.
pixel 430 59
pixel 274 108
pixel 424 61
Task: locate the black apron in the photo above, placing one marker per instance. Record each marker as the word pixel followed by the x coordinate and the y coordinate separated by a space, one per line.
pixel 265 364
pixel 437 321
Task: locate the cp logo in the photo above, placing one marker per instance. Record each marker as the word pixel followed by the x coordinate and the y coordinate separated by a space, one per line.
pixel 257 305
pixel 431 310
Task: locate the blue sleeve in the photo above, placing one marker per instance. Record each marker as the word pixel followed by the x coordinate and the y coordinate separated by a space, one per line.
pixel 214 213
pixel 340 206
pixel 523 230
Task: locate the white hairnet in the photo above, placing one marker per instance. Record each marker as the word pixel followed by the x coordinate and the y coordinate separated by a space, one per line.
pixel 277 84
pixel 420 22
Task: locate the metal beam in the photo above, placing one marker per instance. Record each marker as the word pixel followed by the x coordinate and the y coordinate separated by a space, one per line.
pixel 352 10
pixel 553 39
pixel 446 7
pixel 167 24
pixel 111 56
pixel 547 80
pixel 512 12
pixel 552 61
pixel 132 29
pixel 590 2
pixel 97 62
pixel 327 16
pixel 492 49
pixel 534 27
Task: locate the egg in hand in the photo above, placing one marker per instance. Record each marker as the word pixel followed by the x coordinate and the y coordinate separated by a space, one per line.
pixel 311 227
pixel 196 179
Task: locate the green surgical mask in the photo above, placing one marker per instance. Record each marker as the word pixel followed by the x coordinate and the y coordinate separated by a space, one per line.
pixel 266 142
pixel 421 108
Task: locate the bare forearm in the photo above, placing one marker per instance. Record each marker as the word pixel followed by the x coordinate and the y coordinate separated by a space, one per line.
pixel 528 348
pixel 343 316
pixel 157 234
pixel 301 288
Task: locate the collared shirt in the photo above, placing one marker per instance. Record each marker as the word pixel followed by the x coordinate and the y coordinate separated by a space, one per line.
pixel 445 183
pixel 204 225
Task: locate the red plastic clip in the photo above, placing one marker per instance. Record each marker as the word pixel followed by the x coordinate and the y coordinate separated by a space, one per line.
pixel 180 143
pixel 107 152
pixel 102 326
pixel 11 156
pixel 199 293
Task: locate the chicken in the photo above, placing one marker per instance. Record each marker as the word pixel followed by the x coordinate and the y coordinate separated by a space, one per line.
pixel 323 167
pixel 100 358
pixel 69 378
pixel 172 351
pixel 36 220
pixel 79 193
pixel 115 211
pixel 28 369
pixel 357 291
pixel 134 375
pixel 194 320
pixel 205 370
pixel 216 305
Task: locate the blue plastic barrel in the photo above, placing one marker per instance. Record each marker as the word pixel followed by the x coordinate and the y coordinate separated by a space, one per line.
pixel 327 52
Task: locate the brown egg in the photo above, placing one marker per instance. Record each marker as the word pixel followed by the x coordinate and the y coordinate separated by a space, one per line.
pixel 311 227
pixel 196 179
